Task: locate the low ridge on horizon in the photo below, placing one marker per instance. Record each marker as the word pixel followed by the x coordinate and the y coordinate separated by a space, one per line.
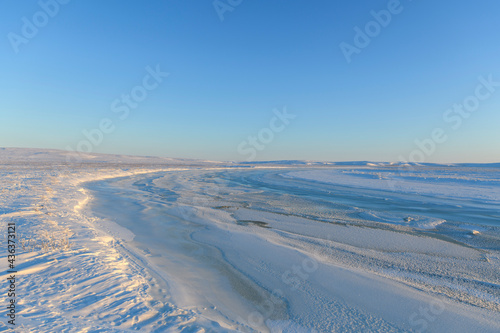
pixel 35 154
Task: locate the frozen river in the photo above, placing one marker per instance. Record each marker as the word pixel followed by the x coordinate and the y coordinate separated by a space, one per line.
pixel 326 249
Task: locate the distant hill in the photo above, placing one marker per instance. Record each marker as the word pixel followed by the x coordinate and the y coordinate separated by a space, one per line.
pixel 36 155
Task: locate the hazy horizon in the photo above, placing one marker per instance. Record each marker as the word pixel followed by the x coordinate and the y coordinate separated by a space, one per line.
pixel 239 161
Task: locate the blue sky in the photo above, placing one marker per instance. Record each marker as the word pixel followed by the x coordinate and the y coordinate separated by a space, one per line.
pixel 228 78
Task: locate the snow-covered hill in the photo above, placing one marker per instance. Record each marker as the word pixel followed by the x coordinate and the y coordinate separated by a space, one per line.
pixel 35 155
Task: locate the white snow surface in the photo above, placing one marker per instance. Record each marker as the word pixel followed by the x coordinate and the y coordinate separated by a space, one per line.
pixel 167 245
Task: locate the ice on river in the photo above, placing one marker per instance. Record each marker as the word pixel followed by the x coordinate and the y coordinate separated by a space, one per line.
pixel 117 243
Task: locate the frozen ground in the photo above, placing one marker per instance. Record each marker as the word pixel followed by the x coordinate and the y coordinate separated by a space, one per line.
pixel 162 245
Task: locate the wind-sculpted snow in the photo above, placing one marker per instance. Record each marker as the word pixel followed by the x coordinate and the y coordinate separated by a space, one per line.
pixel 253 248
pixel 207 247
pixel 74 271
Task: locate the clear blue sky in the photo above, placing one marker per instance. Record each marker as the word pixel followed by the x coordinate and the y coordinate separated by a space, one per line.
pixel 226 78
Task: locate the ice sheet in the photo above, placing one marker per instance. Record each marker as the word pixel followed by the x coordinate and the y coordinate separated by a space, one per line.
pixel 272 248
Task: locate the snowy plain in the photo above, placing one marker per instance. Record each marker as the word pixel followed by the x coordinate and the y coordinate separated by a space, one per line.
pixel 117 243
